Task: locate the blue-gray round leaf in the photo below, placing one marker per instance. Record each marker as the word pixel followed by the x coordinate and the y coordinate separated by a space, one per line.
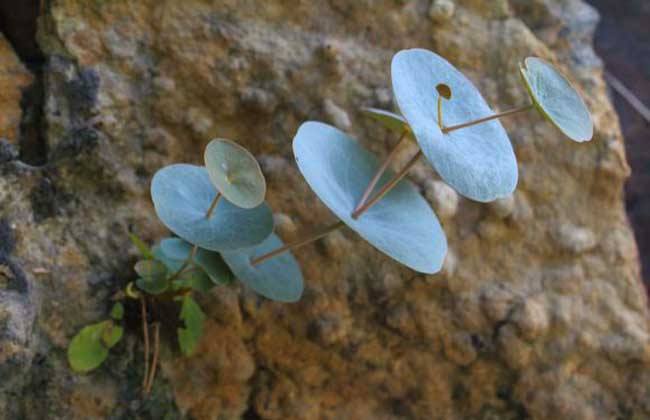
pixel 278 278
pixel 234 171
pixel 402 224
pixel 476 161
pixel 182 194
pixel 557 100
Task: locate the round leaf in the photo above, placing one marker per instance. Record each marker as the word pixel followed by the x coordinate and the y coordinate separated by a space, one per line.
pixel 388 119
pixel 86 350
pixel 150 269
pixel 153 286
pixel 278 278
pixel 338 169
pixel 172 265
pixel 182 194
pixel 557 100
pixel 177 249
pixel 477 161
pixel 234 171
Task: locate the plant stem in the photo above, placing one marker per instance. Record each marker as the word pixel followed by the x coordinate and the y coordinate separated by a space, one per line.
pixel 381 170
pixel 195 248
pixel 145 333
pixel 389 186
pixel 298 243
pixel 213 206
pixel 449 129
pixel 154 362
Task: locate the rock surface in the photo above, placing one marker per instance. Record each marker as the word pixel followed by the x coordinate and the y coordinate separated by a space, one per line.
pixel 539 312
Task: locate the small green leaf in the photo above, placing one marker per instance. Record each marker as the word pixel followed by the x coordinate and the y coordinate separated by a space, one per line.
pixel 153 287
pixel 150 269
pixel 193 317
pixel 142 247
pixel 117 312
pixel 112 334
pixel 154 276
pixel 194 278
pixel 86 350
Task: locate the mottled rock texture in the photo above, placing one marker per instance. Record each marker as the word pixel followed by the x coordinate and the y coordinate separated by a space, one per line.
pixel 539 312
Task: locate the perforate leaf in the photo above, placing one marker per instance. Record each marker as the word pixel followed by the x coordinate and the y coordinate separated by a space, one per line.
pixel 476 161
pixel 193 318
pixel 557 100
pixel 278 278
pixel 182 194
pixel 402 224
pixel 86 350
pixel 211 262
pixel 234 171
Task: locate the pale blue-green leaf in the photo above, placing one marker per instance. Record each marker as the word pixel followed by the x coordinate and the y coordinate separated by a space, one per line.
pixel 234 171
pixel 172 265
pixel 211 262
pixel 182 195
pixel 477 161
pixel 557 100
pixel 402 224
pixel 278 278
pixel 193 318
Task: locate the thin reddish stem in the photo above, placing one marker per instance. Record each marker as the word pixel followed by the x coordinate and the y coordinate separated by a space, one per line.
pixel 145 334
pixel 311 238
pixel 449 129
pixel 373 182
pixel 389 186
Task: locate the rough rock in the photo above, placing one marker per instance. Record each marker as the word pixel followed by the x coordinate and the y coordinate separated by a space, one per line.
pixel 516 326
pixel 14 77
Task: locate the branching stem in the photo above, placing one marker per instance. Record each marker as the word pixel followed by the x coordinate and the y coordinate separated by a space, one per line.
pixel 296 244
pixel 375 179
pixel 389 186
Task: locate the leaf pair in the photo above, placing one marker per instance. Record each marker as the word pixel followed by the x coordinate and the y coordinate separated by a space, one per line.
pixel 477 161
pixel 89 348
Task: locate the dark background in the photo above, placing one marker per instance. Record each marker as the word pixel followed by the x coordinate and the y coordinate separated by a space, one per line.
pixel 623 42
